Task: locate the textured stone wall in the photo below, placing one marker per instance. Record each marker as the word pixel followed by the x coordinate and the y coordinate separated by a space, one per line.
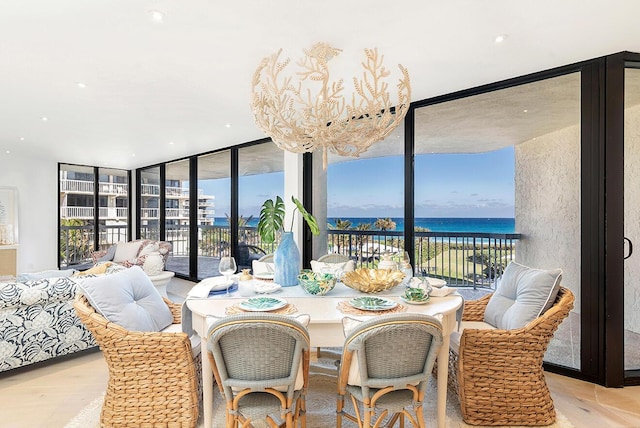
pixel 547 199
pixel 632 217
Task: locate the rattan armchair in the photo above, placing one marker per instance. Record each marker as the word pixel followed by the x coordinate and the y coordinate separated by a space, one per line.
pixel 261 364
pixel 499 373
pixel 385 367
pixel 153 376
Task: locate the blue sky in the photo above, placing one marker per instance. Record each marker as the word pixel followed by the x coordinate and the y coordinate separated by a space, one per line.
pixel 447 185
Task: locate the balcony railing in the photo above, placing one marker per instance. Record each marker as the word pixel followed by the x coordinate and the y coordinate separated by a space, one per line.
pixel 468 259
pixel 462 259
pixel 86 213
pixel 76 242
pixel 83 186
pixel 80 186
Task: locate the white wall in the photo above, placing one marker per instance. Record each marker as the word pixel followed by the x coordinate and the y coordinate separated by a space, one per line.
pixel 548 204
pixel 37 183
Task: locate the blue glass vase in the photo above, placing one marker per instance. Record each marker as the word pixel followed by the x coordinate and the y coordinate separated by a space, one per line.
pixel 286 259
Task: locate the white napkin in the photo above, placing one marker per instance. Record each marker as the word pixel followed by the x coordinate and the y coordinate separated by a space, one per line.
pixel 260 267
pixel 202 289
pixel 442 291
pixel 265 287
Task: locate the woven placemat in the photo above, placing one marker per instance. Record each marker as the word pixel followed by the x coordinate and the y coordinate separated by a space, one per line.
pixel 286 310
pixel 346 308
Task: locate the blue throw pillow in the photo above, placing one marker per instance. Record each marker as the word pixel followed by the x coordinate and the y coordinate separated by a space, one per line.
pixel 128 298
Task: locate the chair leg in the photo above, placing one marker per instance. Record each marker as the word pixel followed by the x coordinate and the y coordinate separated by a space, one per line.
pixel 318 351
pixel 339 409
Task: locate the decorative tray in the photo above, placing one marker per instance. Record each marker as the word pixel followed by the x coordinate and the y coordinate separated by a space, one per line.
pixel 262 304
pixel 372 303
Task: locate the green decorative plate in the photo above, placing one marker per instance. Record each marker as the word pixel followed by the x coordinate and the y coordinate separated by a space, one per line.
pixel 262 304
pixel 372 303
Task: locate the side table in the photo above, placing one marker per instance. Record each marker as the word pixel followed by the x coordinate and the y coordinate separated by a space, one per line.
pixel 161 280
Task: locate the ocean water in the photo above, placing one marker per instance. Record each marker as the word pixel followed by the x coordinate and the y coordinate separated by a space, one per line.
pixel 435 224
pixel 438 224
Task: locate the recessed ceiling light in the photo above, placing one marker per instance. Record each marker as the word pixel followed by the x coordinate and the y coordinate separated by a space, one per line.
pixel 81 85
pixel 45 118
pixel 228 125
pixel 156 16
pixel 133 155
pixel 171 143
pixel 21 138
pixel 501 38
pixel 8 151
pixel 525 111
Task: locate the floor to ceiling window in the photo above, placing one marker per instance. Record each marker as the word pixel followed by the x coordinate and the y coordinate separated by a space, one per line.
pixel 94 211
pixel 260 177
pixel 631 215
pixel 176 211
pixel 365 202
pixel 497 176
pixel 149 210
pixel 214 211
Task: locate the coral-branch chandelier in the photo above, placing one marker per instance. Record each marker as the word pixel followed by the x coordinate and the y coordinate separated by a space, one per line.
pixel 309 112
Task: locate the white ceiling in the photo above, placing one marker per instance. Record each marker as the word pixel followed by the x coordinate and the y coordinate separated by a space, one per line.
pixel 181 81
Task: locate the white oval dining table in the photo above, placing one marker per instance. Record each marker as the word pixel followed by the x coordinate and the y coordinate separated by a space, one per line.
pixel 325 327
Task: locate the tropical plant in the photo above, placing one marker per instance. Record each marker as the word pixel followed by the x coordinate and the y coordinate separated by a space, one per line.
pixel 362 239
pixel 340 225
pixel 385 224
pixel 76 243
pixel 272 218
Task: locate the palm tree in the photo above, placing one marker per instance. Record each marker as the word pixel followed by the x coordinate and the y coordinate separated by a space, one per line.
pixel 340 225
pixel 361 240
pixel 385 224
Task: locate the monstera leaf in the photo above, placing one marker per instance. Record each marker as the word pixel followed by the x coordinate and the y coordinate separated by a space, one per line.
pixel 311 221
pixel 272 216
pixel 271 219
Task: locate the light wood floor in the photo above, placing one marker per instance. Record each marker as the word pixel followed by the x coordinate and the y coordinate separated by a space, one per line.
pixel 49 396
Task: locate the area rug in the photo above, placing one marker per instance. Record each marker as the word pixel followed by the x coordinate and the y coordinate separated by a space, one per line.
pixel 321 403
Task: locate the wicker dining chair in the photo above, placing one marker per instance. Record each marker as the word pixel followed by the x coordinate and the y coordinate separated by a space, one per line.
pixel 333 258
pixel 499 373
pixel 385 368
pixel 267 258
pixel 153 376
pixel 261 364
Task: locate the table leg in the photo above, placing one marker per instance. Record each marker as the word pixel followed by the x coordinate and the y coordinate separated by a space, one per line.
pixel 207 386
pixel 443 372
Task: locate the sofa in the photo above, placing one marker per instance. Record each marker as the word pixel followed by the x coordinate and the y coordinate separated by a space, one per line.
pixel 38 321
pixel 151 255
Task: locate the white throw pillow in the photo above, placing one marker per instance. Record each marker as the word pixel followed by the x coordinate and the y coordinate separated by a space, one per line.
pixel 522 295
pixel 126 251
pixel 151 247
pixel 128 298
